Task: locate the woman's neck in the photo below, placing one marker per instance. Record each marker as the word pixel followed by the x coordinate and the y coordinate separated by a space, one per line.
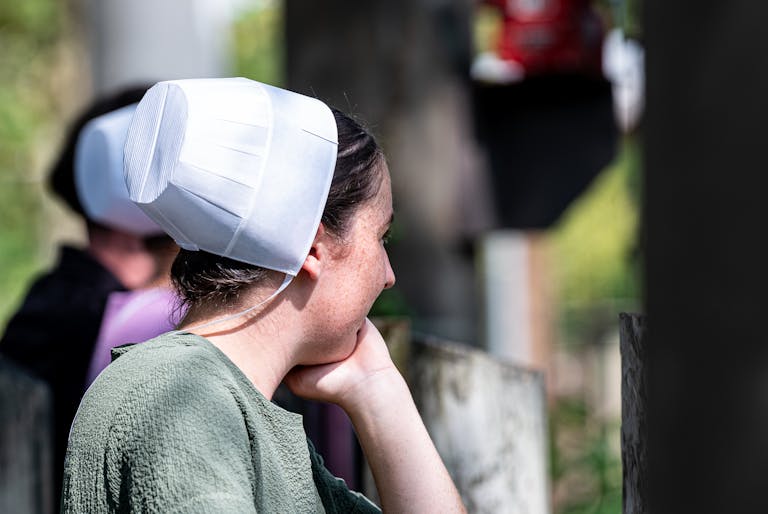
pixel 264 347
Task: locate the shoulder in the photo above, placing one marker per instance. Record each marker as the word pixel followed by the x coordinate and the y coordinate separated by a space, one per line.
pixel 163 427
pixel 164 352
pixel 160 378
pixel 168 363
pixel 159 399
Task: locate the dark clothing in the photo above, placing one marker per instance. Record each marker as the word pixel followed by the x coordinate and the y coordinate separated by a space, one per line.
pixel 53 334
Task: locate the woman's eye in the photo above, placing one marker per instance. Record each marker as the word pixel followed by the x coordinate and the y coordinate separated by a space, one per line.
pixel 387 236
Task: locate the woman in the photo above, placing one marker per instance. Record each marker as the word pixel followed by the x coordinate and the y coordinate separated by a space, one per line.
pixel 281 208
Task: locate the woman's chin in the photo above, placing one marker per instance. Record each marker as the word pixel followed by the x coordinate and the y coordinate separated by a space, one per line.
pixel 335 351
pixel 345 349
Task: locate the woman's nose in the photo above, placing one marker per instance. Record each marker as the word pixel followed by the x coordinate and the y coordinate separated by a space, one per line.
pixel 389 279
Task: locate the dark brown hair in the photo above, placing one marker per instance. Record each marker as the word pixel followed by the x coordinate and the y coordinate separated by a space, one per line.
pixel 206 281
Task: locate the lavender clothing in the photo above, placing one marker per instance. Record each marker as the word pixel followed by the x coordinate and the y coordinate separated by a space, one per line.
pixel 131 317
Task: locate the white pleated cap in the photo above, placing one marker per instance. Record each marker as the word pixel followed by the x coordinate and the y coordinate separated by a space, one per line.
pixel 234 167
pixel 99 176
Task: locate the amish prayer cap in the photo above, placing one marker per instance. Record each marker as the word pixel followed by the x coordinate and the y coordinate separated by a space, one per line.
pixel 61 176
pixel 99 175
pixel 234 167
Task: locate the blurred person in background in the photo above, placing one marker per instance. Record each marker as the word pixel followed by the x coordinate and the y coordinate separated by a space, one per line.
pixel 140 314
pixel 150 309
pixel 282 207
pixel 53 333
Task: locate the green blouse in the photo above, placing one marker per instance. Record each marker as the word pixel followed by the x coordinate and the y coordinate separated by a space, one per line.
pixel 172 425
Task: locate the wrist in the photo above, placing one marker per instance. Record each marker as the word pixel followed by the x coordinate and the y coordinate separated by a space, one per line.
pixel 378 391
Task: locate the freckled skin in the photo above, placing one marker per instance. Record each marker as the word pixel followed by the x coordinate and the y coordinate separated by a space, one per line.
pixel 359 270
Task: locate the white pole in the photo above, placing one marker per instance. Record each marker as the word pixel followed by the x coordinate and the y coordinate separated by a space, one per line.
pixel 144 41
pixel 506 294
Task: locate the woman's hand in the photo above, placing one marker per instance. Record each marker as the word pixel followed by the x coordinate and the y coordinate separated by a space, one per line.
pixel 409 474
pixel 350 380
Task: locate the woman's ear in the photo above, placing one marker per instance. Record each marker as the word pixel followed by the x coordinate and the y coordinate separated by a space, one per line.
pixel 318 254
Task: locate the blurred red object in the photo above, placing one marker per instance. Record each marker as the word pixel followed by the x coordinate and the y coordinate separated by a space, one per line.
pixel 550 36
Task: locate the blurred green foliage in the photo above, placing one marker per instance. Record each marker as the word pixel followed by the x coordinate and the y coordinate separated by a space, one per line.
pixel 259 47
pixel 29 34
pixel 624 14
pixel 597 274
pixel 585 469
pixel 486 27
pixel 595 241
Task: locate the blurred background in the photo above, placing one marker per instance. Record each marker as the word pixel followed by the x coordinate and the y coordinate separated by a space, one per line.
pixel 512 131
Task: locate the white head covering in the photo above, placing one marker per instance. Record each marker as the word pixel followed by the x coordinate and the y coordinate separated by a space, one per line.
pixel 99 176
pixel 233 167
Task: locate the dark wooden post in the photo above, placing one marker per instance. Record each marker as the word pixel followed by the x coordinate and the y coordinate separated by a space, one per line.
pixel 634 455
pixel 704 217
pixel 26 454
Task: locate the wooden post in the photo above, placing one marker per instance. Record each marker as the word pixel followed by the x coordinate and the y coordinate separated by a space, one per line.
pixel 704 213
pixel 26 453
pixel 487 418
pixel 634 430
